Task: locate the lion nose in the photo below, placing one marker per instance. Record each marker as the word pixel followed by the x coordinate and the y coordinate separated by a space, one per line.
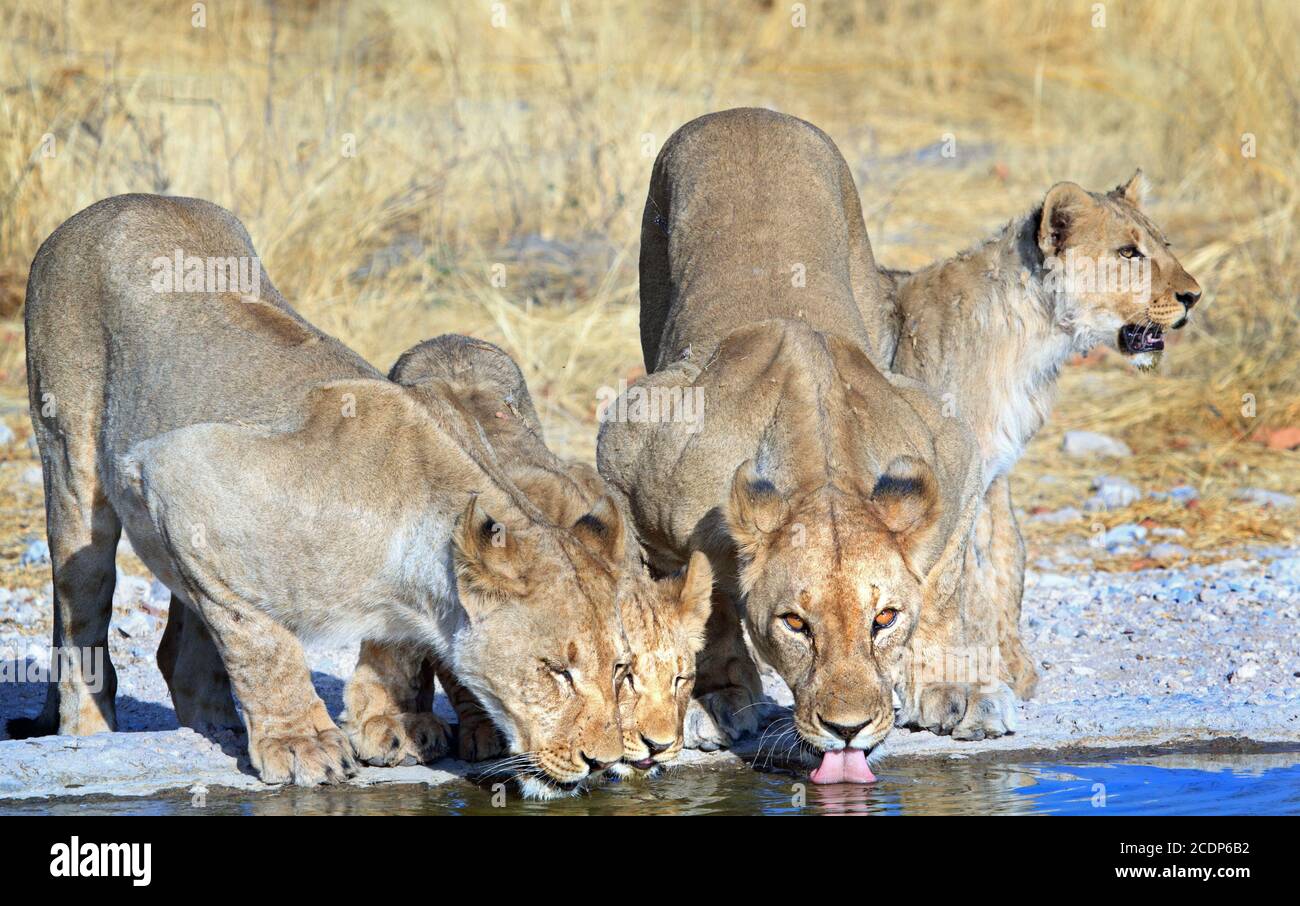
pixel 595 764
pixel 1187 300
pixel 655 747
pixel 844 732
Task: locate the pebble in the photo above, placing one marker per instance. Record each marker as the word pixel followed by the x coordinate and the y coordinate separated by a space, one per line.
pixel 1168 551
pixel 1113 493
pixel 6 435
pixel 1184 493
pixel 1059 517
pixel 1128 533
pixel 35 552
pixel 32 476
pixel 136 625
pixel 1090 443
pixel 1244 674
pixel 1262 497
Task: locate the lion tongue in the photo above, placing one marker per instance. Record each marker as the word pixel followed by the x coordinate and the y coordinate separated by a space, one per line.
pixel 844 766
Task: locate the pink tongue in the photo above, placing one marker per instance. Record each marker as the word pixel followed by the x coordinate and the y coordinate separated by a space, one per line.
pixel 856 769
pixel 844 766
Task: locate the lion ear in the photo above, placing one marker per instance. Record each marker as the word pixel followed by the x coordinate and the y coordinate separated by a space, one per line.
pixel 1134 190
pixel 487 557
pixel 906 496
pixel 1062 207
pixel 696 598
pixel 601 530
pixel 754 511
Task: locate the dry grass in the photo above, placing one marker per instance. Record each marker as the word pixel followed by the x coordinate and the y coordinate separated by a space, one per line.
pixel 529 146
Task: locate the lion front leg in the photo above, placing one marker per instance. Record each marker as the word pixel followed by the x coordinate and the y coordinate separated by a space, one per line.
pixel 290 734
pixel 388 706
pixel 195 675
pixel 728 699
pixel 952 680
pixel 477 737
pixel 1006 559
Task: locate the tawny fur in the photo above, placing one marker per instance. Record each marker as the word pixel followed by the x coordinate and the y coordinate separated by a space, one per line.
pixel 663 620
pixel 816 484
pixel 280 486
pixel 988 332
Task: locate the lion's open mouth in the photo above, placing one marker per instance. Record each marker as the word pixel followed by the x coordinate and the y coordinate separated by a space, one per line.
pixel 1138 338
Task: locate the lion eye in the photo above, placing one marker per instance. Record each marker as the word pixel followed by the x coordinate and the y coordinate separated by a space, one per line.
pixel 794 622
pixel 1130 251
pixel 563 673
pixel 884 619
pixel 680 679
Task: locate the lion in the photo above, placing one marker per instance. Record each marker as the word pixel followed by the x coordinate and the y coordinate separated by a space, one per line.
pixel 835 502
pixel 663 620
pixel 281 487
pixel 991 328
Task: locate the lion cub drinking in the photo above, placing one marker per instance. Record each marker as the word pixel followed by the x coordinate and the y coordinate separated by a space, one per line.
pixel 663 619
pixel 280 486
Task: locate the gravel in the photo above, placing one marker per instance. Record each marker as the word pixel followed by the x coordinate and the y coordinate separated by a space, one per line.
pixel 1155 657
pixel 1090 443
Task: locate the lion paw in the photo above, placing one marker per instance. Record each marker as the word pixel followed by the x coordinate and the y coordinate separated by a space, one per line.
pixel 964 711
pixel 478 739
pixel 307 760
pixel 401 739
pixel 717 720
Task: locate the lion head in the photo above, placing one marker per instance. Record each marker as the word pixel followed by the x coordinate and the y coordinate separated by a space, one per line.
pixel 832 595
pixel 664 621
pixel 541 647
pixel 1112 268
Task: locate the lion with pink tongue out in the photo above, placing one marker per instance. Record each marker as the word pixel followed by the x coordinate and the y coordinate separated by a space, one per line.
pixel 835 502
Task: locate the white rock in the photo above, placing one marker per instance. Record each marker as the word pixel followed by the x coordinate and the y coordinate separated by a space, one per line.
pixel 37 551
pixel 1245 673
pixel 32 475
pixel 1261 497
pixel 136 625
pixel 6 435
pixel 1059 517
pixel 1090 443
pixel 1113 493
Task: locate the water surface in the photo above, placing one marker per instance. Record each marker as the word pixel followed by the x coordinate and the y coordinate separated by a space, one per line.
pixel 1175 784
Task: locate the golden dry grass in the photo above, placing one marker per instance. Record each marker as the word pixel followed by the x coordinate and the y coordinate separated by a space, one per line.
pixel 527 143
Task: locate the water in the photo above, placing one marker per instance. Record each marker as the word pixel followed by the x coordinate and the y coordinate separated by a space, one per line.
pixel 1208 784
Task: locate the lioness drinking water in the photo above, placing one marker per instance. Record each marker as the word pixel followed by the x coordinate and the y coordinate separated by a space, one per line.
pixel 388 696
pixel 835 501
pixel 279 485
